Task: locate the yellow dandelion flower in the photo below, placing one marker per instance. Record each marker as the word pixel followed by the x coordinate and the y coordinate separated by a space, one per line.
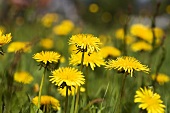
pixel 47 43
pixel 48 19
pixel 47 56
pixel 16 46
pixel 72 91
pixel 109 51
pixel 85 42
pixel 23 77
pixel 161 78
pixel 46 101
pixel 4 39
pixel 149 101
pixel 94 59
pixel 67 76
pixel 127 64
pixel 64 28
pixel 142 32
pixel 141 46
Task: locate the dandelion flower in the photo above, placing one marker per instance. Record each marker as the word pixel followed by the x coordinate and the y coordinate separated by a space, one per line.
pixel 94 59
pixel 72 91
pixel 47 56
pixel 64 28
pixel 85 42
pixel 67 76
pixel 47 43
pixel 127 64
pixel 23 77
pixel 141 46
pixel 49 18
pixel 149 101
pixel 46 101
pixel 161 78
pixel 109 51
pixel 141 31
pixel 16 46
pixel 4 39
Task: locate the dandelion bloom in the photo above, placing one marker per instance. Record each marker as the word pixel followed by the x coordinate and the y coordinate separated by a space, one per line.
pixel 47 43
pixel 127 64
pixel 47 56
pixel 109 51
pixel 94 59
pixel 4 39
pixel 64 28
pixel 141 46
pixel 141 31
pixel 149 101
pixel 67 75
pixel 16 46
pixel 85 42
pixel 161 78
pixel 23 77
pixel 72 91
pixel 48 19
pixel 46 101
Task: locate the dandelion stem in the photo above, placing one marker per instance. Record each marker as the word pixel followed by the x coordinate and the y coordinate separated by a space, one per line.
pixel 41 85
pixel 78 90
pixel 66 104
pixel 121 93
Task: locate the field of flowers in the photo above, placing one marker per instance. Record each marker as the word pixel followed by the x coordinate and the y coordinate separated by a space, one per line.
pixel 53 64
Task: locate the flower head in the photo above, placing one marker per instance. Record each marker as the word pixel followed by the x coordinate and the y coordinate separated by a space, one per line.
pixel 49 18
pixel 109 51
pixel 46 101
pixel 94 59
pixel 16 46
pixel 47 56
pixel 67 76
pixel 141 46
pixel 4 39
pixel 23 77
pixel 149 101
pixel 127 64
pixel 85 42
pixel 64 28
pixel 47 43
pixel 161 78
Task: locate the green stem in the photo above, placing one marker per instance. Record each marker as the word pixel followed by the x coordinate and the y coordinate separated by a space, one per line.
pixel 78 90
pixel 66 104
pixel 121 94
pixel 41 85
pixel 86 85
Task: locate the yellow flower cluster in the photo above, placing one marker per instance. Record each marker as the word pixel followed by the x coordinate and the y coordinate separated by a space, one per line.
pixel 161 78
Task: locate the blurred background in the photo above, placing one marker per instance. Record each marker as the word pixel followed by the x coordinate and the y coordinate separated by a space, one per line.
pixel 101 13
